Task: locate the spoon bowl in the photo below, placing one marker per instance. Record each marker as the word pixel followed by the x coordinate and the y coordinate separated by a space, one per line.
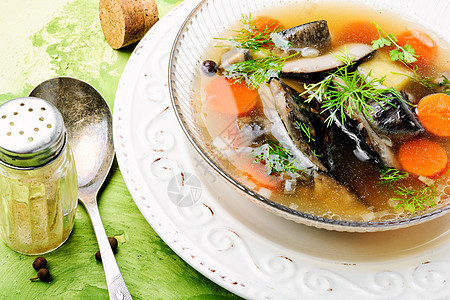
pixel 88 121
pixel 89 126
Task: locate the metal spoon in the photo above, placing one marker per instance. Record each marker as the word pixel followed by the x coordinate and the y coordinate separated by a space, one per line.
pixel 88 121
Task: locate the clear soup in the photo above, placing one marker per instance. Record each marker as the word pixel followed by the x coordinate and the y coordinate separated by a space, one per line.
pixel 236 137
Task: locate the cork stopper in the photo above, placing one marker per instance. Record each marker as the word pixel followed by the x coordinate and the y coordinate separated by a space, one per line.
pixel 126 21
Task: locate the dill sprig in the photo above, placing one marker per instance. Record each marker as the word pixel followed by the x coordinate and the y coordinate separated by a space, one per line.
pixel 405 54
pixel 353 93
pixel 415 200
pixel 391 175
pixel 349 93
pixel 445 84
pixel 344 57
pixel 251 37
pixel 277 158
pixel 429 82
pixel 425 81
pixel 303 127
pixel 306 130
pixel 410 199
pixel 256 72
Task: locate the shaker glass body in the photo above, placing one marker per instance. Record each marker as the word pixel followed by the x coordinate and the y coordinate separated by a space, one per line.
pixel 37 207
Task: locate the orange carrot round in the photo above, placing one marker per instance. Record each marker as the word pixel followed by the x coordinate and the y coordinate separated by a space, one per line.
pixel 257 173
pixel 434 114
pixel 424 45
pixel 358 32
pixel 422 157
pixel 266 24
pixel 228 97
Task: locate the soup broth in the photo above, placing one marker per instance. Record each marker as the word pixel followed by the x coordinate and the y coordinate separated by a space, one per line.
pixel 352 187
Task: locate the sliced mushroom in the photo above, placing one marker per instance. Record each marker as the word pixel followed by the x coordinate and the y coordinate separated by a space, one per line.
pixel 233 56
pixel 317 66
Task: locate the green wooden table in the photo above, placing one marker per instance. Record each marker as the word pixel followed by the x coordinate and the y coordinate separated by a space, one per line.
pixel 48 38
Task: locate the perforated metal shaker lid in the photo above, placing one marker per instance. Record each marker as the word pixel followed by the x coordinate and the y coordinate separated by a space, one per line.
pixel 32 132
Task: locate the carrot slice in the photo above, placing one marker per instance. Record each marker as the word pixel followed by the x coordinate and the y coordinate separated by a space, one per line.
pixel 422 157
pixel 358 32
pixel 434 114
pixel 266 24
pixel 257 173
pixel 228 97
pixel 424 45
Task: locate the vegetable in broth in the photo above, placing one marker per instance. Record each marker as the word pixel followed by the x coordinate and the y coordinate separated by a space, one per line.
pixel 317 116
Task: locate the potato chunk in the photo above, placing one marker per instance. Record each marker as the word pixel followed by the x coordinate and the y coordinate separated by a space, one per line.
pixel 381 65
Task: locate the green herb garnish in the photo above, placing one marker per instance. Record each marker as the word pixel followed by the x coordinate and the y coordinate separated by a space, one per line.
pixel 429 82
pixel 425 81
pixel 306 130
pixel 405 54
pixel 391 175
pixel 348 93
pixel 344 57
pixel 352 94
pixel 251 37
pixel 445 83
pixel 316 154
pixel 277 159
pixel 410 199
pixel 415 200
pixel 256 72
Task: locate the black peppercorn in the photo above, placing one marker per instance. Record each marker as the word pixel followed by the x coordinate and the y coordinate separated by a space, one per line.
pixel 209 67
pixel 113 243
pixel 39 263
pixel 98 256
pixel 43 274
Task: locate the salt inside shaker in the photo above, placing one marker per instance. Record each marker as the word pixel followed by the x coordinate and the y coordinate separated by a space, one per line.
pixel 38 181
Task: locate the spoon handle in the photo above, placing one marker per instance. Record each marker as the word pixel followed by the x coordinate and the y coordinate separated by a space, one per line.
pixel 114 280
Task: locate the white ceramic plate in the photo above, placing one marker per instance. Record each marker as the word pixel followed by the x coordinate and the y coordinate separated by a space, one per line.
pixel 236 244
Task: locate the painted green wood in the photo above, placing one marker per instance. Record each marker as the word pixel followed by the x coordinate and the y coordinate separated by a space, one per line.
pixel 46 38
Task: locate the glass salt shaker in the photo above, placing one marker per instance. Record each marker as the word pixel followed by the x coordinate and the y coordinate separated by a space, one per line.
pixel 38 181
